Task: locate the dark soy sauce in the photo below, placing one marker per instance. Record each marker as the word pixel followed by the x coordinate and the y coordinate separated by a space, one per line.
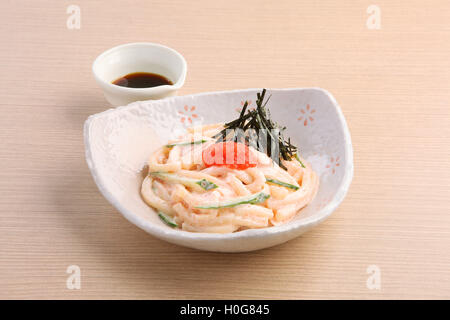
pixel 142 80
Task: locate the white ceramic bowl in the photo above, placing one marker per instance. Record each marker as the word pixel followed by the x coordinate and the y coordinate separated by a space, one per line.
pixel 138 57
pixel 119 142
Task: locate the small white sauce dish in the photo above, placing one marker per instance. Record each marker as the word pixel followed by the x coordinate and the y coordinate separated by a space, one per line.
pixel 119 142
pixel 138 57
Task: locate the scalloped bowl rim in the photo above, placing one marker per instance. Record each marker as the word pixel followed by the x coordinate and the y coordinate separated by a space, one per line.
pixel 177 235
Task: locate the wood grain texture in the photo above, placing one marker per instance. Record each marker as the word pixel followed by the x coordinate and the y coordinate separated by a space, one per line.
pixel 393 87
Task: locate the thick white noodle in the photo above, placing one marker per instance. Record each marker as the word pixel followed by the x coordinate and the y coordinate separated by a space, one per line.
pixel 179 201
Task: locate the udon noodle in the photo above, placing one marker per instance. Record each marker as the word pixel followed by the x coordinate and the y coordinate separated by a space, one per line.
pixel 220 199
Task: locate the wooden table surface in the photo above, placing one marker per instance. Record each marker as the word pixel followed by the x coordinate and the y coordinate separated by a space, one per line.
pixel 392 84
